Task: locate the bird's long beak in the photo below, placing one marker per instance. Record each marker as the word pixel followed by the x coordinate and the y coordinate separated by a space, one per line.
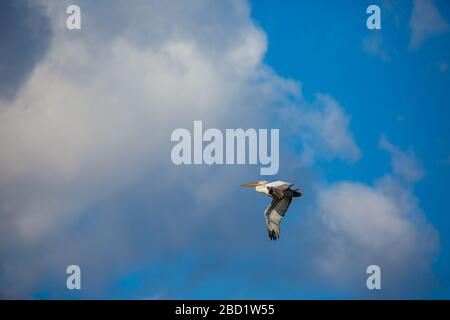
pixel 254 184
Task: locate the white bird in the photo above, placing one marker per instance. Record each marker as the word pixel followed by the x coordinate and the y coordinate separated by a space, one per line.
pixel 281 194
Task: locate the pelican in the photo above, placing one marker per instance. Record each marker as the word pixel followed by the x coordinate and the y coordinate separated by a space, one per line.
pixel 281 194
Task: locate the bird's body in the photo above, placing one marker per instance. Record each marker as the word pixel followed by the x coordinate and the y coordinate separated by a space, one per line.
pixel 281 194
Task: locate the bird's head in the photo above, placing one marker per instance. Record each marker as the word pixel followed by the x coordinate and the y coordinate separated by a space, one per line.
pixel 260 186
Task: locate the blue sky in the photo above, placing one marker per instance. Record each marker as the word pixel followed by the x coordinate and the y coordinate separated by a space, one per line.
pixel 406 98
pixel 87 179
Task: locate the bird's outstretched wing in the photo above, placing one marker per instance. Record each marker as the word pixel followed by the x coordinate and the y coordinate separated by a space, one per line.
pixel 274 214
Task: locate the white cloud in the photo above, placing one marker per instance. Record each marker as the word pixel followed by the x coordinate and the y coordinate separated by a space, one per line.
pixel 373 44
pixel 378 224
pixel 323 130
pixel 89 114
pixel 404 164
pixel 94 120
pixel 95 117
pixel 425 22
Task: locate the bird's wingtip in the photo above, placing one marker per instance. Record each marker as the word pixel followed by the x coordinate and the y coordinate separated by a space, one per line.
pixel 273 235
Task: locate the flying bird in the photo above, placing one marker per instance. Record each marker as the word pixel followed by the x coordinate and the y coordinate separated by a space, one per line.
pixel 281 194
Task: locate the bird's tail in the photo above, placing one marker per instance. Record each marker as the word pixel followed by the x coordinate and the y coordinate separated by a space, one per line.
pixel 297 193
